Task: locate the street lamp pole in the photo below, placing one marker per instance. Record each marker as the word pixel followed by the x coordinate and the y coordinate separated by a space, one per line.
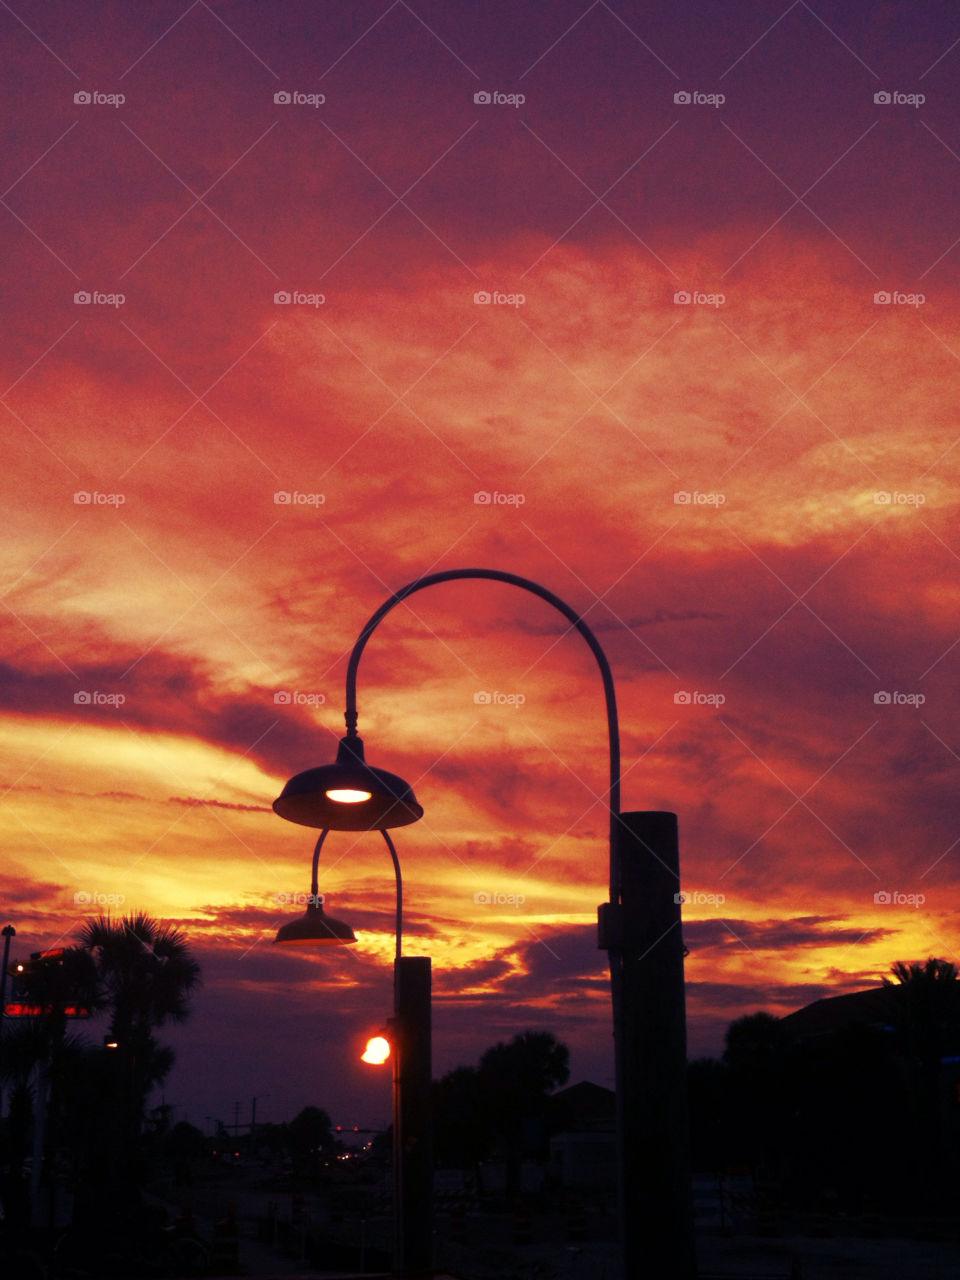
pixel 8 932
pixel 639 928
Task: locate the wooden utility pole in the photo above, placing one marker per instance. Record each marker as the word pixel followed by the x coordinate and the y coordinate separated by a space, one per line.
pixel 643 937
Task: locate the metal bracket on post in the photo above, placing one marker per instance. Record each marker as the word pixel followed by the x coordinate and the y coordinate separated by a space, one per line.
pixel 610 927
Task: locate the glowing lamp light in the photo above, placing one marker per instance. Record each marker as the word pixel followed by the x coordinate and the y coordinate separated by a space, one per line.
pixel 343 795
pixel 349 795
pixel 377 1051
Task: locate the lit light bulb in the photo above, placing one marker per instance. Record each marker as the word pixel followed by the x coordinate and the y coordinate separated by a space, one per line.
pixel 377 1050
pixel 346 795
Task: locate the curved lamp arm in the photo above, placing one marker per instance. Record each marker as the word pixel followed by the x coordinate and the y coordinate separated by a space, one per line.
pixel 315 884
pixel 495 575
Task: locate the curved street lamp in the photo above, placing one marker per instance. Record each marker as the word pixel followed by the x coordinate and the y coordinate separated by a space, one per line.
pixel 638 927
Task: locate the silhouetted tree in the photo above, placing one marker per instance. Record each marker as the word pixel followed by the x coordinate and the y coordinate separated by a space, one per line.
pixel 36 1053
pixel 310 1132
pixel 529 1067
pixel 756 1057
pixel 145 975
pixel 711 1136
pixel 925 999
pixel 853 1116
pixel 25 1043
pixel 500 1104
pixel 145 972
pixel 515 1080
pixel 461 1126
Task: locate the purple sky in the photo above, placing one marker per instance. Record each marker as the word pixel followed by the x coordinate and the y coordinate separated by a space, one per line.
pixel 712 399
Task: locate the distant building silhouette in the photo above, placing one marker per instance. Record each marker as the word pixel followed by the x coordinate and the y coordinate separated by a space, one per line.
pixel 875 1008
pixel 583 1142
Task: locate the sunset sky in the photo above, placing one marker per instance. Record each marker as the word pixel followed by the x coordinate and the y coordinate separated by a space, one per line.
pixel 676 287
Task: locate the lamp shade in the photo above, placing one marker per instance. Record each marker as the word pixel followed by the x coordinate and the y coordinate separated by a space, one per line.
pixel 349 795
pixel 315 928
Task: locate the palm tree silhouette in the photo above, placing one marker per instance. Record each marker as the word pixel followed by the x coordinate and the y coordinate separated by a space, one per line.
pixel 145 974
pixel 925 1004
pixel 514 1080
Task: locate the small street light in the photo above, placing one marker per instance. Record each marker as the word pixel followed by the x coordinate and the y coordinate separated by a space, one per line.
pixel 377 1051
pixel 315 928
